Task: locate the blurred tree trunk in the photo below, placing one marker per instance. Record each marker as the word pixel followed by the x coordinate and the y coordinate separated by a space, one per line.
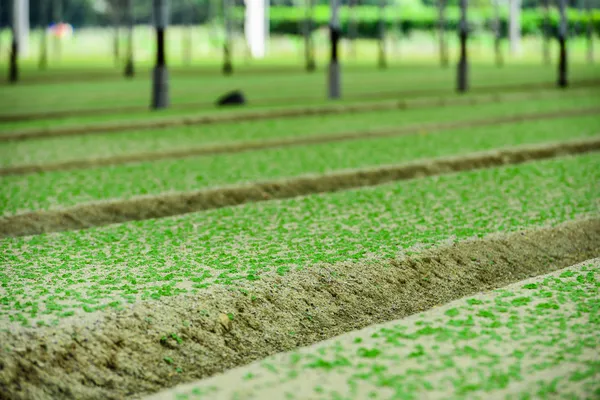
pixel 309 51
pixel 442 33
pixel 546 33
pixel 129 66
pixel 57 16
pixel 352 28
pixel 397 26
pixel 382 56
pixel 186 40
pixel 227 45
pixel 463 66
pixel 562 41
pixel 116 11
pixel 1 29
pixel 160 79
pixel 43 21
pixel 13 67
pixel 498 35
pixel 334 79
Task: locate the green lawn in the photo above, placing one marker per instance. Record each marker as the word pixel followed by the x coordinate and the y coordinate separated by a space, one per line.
pixel 51 276
pixel 272 89
pixel 111 117
pixel 49 150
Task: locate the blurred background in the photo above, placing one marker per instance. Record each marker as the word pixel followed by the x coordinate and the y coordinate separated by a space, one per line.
pixel 386 46
pixel 95 31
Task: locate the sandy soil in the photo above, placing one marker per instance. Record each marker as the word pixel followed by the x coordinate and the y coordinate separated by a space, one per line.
pixel 158 344
pixel 538 337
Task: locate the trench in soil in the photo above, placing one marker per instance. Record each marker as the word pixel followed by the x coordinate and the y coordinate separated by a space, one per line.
pixel 123 353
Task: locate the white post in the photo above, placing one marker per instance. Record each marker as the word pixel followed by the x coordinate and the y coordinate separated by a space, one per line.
pixel 257 26
pixel 21 21
pixel 334 66
pixel 515 27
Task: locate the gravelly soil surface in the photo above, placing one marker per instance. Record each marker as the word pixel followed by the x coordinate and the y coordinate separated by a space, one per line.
pixel 537 338
pixel 154 345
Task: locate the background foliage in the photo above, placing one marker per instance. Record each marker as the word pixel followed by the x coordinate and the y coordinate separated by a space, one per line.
pixel 406 15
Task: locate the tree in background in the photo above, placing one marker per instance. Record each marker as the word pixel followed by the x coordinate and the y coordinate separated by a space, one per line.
pixel 160 78
pixel 590 32
pixel 186 40
pixel 81 13
pixel 463 66
pixel 13 68
pixel 352 28
pixel 396 24
pixel 334 81
pixel 116 10
pixel 57 18
pixel 443 45
pixel 562 42
pixel 497 34
pixel 546 33
pixel 382 57
pixel 1 28
pixel 43 12
pixel 129 68
pixel 309 48
pixel 227 44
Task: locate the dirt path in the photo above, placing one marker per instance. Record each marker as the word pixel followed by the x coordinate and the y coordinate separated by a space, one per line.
pixel 119 127
pixel 534 338
pixel 163 205
pixel 153 345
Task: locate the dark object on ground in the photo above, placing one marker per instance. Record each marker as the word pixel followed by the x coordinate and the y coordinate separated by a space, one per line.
pixel 235 98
